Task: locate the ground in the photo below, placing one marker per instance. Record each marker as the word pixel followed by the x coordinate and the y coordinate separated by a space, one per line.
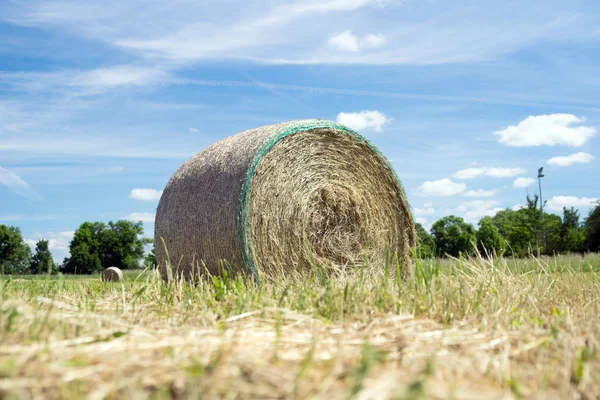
pixel 472 328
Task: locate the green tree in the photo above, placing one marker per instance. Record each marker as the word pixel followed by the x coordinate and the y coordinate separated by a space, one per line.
pixel 572 233
pixel 424 242
pixel 592 225
pixel 552 231
pixel 14 252
pixel 123 244
pixel 453 236
pixel 526 232
pixel 42 262
pixel 489 239
pixel 96 246
pixel 513 226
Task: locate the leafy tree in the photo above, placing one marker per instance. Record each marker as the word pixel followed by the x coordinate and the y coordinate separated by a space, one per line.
pixel 123 246
pixel 571 233
pixel 514 227
pixel 96 246
pixel 42 261
pixel 525 230
pixel 424 242
pixel 552 231
pixel 489 239
pixel 593 229
pixel 453 236
pixel 14 252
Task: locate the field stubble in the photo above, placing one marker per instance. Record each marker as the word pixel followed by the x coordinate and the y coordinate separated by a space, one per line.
pixel 469 328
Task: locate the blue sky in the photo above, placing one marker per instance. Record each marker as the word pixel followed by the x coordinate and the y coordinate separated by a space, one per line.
pixel 100 102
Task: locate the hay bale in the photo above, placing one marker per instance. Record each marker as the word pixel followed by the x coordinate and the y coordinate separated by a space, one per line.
pixel 112 274
pixel 283 197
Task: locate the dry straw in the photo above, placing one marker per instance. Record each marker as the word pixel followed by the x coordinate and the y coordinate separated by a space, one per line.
pixel 112 274
pixel 286 196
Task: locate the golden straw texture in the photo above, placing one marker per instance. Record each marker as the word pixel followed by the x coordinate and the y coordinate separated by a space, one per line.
pixel 112 274
pixel 280 197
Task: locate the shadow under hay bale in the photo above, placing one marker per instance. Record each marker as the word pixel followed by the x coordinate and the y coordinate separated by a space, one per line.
pixel 112 274
pixel 283 197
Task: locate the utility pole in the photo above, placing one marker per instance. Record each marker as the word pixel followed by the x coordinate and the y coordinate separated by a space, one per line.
pixel 540 176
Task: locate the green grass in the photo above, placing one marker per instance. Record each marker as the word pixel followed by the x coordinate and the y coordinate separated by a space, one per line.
pixel 471 328
pixel 127 275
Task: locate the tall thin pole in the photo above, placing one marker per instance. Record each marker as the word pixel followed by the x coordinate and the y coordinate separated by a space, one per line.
pixel 540 176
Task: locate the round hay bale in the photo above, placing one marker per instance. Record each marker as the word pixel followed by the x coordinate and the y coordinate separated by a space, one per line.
pixel 112 274
pixel 283 197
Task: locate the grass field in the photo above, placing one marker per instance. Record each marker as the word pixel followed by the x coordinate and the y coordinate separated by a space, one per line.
pixel 458 329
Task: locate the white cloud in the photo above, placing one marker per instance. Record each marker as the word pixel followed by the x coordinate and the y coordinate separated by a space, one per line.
pixel 364 120
pixel 141 216
pixel 12 180
pixel 428 204
pixel 268 32
pixel 373 40
pixel 87 82
pixel 470 173
pixel 423 221
pixel 16 184
pixel 472 211
pixel 119 75
pixel 548 130
pixel 480 193
pixel 523 182
pixel 557 203
pixel 347 41
pixel 194 130
pixel 577 158
pixel 517 207
pixel 442 187
pixel 145 194
pixel 53 126
pixel 58 242
pixel 423 211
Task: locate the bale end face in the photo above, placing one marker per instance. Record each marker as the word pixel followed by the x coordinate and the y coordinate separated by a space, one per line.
pixel 112 274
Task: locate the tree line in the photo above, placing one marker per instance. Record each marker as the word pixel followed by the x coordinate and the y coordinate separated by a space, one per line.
pixel 518 233
pixel 95 246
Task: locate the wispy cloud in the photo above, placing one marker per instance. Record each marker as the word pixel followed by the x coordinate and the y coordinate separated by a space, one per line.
pixel 87 82
pixel 11 180
pixel 21 217
pixel 577 158
pixel 110 170
pixel 547 130
pixel 471 173
pixel 416 32
pixel 515 101
pixel 480 193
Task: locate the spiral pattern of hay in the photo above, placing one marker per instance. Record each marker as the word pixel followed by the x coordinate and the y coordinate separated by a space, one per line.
pixel 281 197
pixel 112 274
